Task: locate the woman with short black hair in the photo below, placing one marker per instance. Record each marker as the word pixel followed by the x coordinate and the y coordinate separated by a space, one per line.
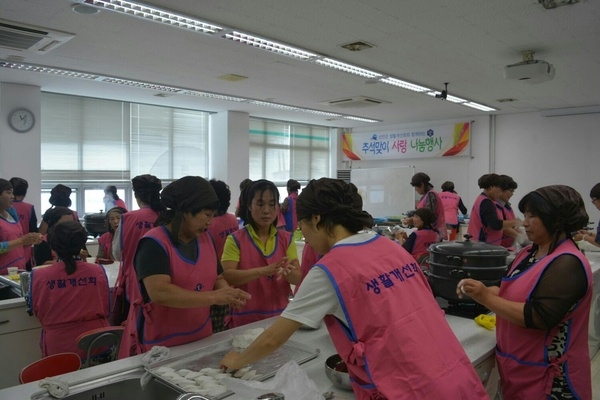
pixel 542 305
pixel 178 273
pixel 71 296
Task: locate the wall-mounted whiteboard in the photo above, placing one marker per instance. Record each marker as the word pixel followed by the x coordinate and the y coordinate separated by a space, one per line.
pixel 386 192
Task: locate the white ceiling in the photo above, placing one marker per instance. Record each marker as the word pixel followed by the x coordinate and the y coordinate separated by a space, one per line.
pixel 464 42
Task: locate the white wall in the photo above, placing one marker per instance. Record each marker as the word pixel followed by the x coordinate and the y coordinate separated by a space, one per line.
pixel 538 151
pixel 20 152
pixel 534 150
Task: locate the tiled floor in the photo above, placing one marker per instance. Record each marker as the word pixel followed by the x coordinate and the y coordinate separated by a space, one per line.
pixel 596 376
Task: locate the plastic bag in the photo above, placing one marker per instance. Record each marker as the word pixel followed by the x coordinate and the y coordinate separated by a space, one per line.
pixel 290 380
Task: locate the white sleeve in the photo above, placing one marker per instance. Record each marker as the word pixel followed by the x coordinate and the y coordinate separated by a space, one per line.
pixel 116 244
pixel 315 298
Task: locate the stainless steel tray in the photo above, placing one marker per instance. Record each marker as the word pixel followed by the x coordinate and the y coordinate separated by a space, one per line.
pixel 211 356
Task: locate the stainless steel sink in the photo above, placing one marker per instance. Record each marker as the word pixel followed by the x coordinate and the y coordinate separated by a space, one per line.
pixel 8 292
pixel 116 387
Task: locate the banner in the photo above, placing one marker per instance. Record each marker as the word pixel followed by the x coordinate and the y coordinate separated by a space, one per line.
pixel 437 141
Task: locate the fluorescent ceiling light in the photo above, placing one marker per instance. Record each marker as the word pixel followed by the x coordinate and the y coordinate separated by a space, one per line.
pixel 165 88
pixel 325 113
pixel 556 112
pixel 404 85
pixel 455 99
pixel 155 14
pixel 168 17
pixel 359 119
pixel 273 105
pixel 144 85
pixel 215 96
pixel 47 70
pixel 342 66
pixel 479 106
pixel 269 45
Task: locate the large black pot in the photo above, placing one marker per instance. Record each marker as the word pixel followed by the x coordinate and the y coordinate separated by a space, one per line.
pixel 95 224
pixel 449 262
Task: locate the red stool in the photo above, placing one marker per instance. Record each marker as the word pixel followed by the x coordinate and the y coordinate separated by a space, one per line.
pixel 47 367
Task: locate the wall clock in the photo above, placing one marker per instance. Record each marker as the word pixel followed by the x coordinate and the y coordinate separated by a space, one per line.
pixel 21 120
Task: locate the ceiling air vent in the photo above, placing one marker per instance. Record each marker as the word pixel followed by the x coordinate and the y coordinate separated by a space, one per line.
pixel 22 37
pixel 354 102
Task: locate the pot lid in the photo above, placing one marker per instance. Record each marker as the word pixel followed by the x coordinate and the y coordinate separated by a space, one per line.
pixel 468 247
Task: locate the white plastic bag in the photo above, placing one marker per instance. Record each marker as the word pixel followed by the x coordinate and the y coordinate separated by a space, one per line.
pixel 290 380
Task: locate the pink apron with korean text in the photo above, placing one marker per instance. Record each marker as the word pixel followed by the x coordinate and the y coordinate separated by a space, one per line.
pixel 526 370
pixel 440 224
pixel 397 345
pixel 68 305
pixel 450 201
pixel 150 324
pixel 269 294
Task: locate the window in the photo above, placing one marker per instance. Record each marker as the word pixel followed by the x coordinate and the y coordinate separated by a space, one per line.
pixel 168 142
pixel 281 150
pixel 88 143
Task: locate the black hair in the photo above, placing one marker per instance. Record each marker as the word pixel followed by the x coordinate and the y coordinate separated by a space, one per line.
pixel 293 185
pixel 223 193
pixel 507 183
pixel 147 188
pixel 119 210
pixel 248 192
pixel 336 202
pixel 559 214
pixel 59 196
pixel 67 239
pixel 112 190
pixel 421 178
pixel 19 185
pixel 53 215
pixel 244 183
pixel 427 216
pixel 595 192
pixel 488 180
pixel 448 186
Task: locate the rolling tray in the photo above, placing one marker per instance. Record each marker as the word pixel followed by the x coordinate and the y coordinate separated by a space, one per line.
pixel 209 357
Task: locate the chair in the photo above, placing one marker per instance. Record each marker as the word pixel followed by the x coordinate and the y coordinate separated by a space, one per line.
pixel 47 367
pixel 107 339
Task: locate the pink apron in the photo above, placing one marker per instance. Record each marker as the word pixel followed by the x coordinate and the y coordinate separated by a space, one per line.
pixel 404 349
pixel 440 224
pixel 15 258
pixel 476 228
pixel 68 305
pixel 270 295
pixel 526 370
pixel 150 324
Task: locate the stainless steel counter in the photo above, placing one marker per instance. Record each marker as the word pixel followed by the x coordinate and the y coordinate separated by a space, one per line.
pixel 478 343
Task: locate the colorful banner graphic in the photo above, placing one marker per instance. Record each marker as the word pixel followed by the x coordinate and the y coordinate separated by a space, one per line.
pixel 437 141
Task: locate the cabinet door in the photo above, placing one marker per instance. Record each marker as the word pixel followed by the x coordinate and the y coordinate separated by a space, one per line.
pixel 18 350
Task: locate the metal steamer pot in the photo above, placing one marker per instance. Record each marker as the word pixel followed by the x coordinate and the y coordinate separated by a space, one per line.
pixel 449 262
pixel 95 224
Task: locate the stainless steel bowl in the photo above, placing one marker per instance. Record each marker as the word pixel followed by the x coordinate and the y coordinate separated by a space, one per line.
pixel 337 372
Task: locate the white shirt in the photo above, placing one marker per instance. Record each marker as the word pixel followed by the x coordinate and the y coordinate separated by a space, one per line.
pixel 316 296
